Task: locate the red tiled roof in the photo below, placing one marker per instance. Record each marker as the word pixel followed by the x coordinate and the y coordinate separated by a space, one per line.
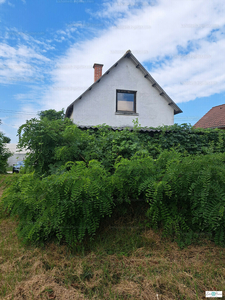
pixel 214 118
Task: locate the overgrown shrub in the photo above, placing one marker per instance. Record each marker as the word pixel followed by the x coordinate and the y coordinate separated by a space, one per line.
pixel 190 197
pixel 4 152
pixel 66 205
pixel 103 145
pixel 41 137
pixel 130 174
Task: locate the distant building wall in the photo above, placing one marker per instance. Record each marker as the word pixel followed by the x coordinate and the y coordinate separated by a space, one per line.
pixel 17 156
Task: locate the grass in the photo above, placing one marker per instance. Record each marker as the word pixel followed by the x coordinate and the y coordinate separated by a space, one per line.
pixel 125 261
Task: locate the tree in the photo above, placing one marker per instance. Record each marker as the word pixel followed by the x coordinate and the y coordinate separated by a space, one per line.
pixel 6 140
pixel 52 114
pixel 4 152
pixel 41 137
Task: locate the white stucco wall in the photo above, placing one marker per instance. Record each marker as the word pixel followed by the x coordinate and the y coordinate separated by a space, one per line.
pixel 98 105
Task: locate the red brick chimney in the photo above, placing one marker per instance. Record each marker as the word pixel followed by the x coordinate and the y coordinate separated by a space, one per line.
pixel 97 71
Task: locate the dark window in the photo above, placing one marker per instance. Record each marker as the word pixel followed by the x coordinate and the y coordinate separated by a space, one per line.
pixel 125 101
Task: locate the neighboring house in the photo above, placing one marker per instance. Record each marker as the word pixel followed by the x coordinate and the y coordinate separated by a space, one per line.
pixel 123 93
pixel 214 118
pixel 17 156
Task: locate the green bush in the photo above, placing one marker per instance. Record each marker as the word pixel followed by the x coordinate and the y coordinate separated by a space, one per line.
pixel 130 174
pixel 66 205
pixel 186 194
pixel 4 152
pixel 41 137
pixel 103 145
pixel 190 197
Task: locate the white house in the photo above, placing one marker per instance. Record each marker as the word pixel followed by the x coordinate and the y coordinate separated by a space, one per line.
pixel 123 93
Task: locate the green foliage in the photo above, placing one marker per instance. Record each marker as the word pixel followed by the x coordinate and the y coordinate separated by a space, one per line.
pixel 190 197
pixel 41 137
pixel 136 124
pixel 4 152
pixel 185 138
pixel 52 114
pixel 106 145
pixel 66 205
pixel 103 145
pixel 74 145
pixel 130 174
pixel 186 194
pixel 6 139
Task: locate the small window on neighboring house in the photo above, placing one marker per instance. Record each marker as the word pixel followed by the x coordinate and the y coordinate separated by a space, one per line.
pixel 125 101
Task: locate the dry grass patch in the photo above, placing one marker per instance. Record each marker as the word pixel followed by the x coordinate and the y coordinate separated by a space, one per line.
pixel 56 273
pixel 43 287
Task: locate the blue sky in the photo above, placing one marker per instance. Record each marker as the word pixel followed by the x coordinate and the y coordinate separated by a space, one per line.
pixel 48 48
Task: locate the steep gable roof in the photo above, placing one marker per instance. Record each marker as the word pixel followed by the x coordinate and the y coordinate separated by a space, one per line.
pixel 214 118
pixel 146 74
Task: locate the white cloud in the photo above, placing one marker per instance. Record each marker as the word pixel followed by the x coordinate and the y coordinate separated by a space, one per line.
pixel 67 34
pixel 20 64
pixel 197 75
pixel 2 1
pixel 33 39
pixel 118 8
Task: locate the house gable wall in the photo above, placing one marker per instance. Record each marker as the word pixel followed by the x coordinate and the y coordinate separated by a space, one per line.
pixel 98 105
